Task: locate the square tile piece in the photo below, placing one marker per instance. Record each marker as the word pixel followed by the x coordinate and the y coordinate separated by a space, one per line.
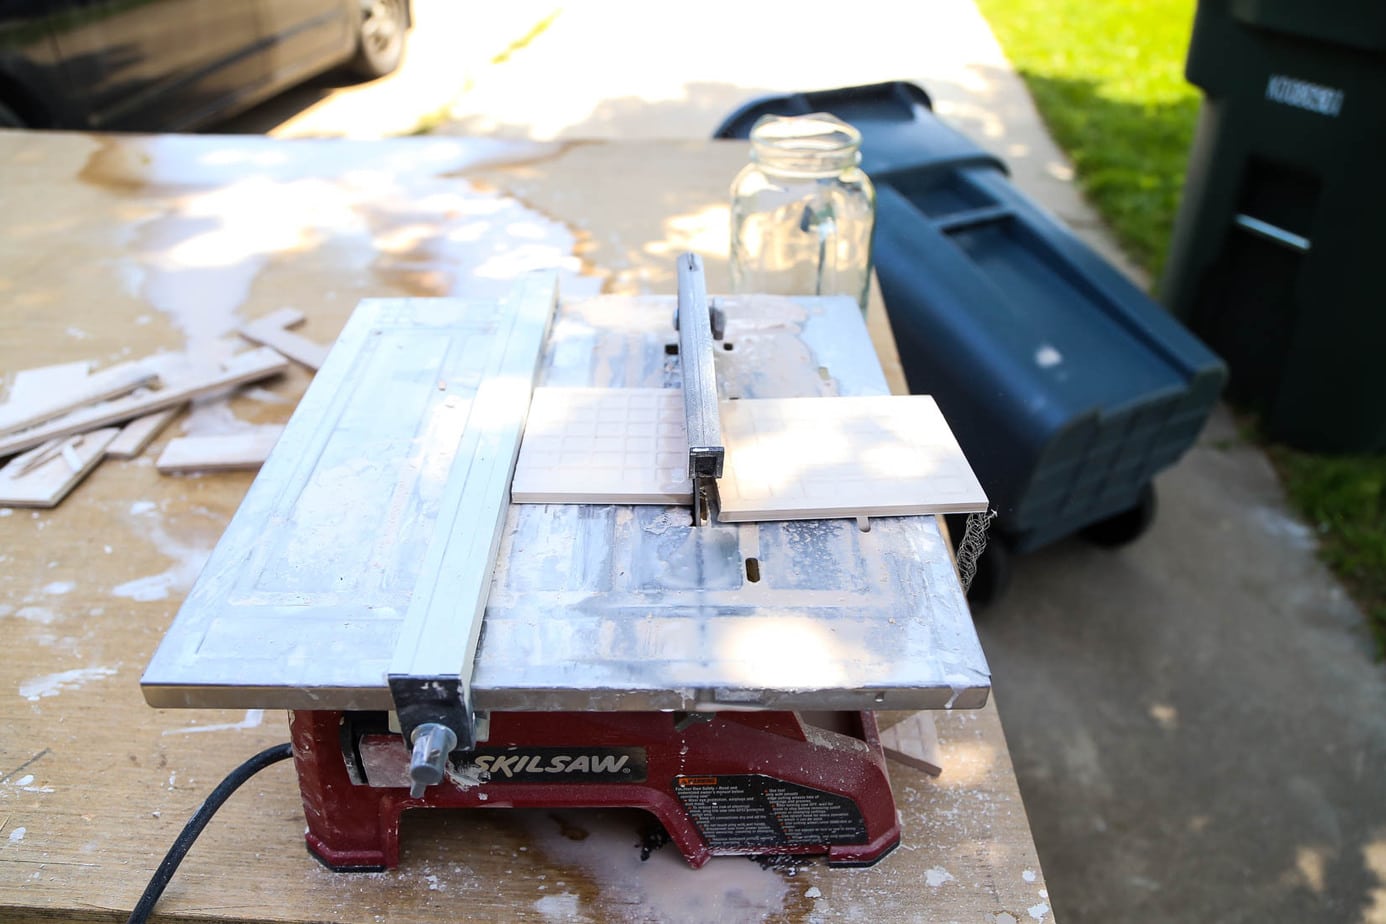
pixel 827 458
pixel 603 446
pixel 43 476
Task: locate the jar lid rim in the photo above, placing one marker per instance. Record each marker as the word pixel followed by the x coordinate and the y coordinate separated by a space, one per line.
pixel 818 131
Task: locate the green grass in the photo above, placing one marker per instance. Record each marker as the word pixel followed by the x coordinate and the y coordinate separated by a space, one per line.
pixel 1344 498
pixel 1108 79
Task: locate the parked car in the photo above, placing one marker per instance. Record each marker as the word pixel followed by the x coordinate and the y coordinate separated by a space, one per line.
pixel 175 65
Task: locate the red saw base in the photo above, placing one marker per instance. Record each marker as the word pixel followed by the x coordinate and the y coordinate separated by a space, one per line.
pixel 747 783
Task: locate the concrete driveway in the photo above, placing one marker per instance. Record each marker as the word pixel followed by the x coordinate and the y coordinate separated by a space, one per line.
pixel 1197 722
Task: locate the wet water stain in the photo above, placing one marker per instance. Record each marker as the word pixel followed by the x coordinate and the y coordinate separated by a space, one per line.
pixel 222 220
pixel 116 164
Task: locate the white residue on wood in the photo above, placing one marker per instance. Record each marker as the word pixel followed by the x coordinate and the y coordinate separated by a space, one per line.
pixel 253 718
pixel 37 614
pixel 17 835
pixel 663 888
pixel 188 555
pixel 146 589
pixel 52 684
pixel 26 784
pixel 560 907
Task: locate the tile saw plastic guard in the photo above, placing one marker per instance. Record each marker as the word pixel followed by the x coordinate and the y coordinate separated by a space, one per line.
pixel 721 677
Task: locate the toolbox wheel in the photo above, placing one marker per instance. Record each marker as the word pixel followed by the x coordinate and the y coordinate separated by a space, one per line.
pixel 993 574
pixel 1125 527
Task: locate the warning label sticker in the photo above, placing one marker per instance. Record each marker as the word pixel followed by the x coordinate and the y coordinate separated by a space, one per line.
pixel 752 810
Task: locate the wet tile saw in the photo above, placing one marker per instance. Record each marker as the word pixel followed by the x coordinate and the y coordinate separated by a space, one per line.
pixel 438 646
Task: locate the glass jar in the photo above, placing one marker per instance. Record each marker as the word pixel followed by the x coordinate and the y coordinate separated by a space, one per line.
pixel 802 210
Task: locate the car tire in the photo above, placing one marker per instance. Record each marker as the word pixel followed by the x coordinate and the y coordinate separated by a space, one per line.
pixel 9 118
pixel 380 37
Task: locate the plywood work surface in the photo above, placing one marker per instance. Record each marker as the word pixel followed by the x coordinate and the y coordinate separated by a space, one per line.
pixel 95 784
pixel 812 458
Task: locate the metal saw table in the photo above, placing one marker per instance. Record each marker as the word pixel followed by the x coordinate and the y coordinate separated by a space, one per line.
pixel 98 782
pixel 592 608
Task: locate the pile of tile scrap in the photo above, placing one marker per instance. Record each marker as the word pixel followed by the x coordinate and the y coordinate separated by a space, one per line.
pixel 60 421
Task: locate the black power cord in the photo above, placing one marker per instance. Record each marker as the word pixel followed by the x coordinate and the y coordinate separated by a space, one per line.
pixel 159 881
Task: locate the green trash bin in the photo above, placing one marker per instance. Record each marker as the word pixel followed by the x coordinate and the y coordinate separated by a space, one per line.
pixel 1279 249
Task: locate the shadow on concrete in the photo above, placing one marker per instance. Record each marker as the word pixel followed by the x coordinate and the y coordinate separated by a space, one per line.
pixel 1195 719
pixel 695 115
pixel 275 111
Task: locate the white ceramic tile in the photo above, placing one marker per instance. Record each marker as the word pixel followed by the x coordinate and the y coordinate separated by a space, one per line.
pixel 79 393
pixel 34 384
pixel 273 331
pixel 42 477
pixel 183 379
pixel 139 433
pixel 227 452
pixel 913 741
pixel 787 459
pixel 603 446
pixel 825 458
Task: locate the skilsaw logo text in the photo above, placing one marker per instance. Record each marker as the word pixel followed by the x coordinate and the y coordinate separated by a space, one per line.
pixel 558 763
pixel 545 764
